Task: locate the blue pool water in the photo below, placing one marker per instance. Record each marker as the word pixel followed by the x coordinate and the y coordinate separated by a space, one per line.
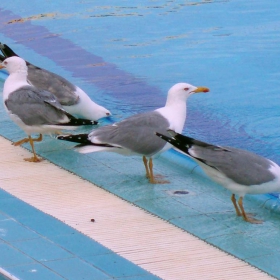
pixel 147 46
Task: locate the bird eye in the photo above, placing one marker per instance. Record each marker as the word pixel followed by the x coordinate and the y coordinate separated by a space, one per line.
pixel 186 88
pixel 5 62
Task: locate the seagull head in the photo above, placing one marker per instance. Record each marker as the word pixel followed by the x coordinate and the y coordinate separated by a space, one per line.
pixel 14 64
pixel 182 91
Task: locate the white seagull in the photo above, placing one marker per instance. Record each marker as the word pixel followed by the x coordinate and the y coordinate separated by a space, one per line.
pixel 32 109
pixel 239 171
pixel 73 99
pixel 136 134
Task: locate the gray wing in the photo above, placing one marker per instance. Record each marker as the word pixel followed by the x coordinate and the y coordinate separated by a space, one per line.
pixel 35 107
pixel 136 133
pixel 42 79
pixel 241 166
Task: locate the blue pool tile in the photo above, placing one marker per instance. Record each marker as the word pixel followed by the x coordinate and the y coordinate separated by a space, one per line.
pixel 34 271
pixel 268 263
pixel 46 225
pixel 265 234
pixel 231 223
pixel 3 216
pixel 71 159
pixel 73 269
pixel 18 209
pixel 112 178
pixel 4 194
pixel 202 225
pixel 31 217
pixel 271 220
pixel 10 131
pixel 116 265
pixel 10 230
pixel 234 242
pixel 10 256
pixel 73 244
pixel 134 189
pixel 206 203
pixel 42 249
pixel 166 208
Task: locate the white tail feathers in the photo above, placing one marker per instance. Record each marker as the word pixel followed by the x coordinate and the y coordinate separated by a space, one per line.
pixel 91 149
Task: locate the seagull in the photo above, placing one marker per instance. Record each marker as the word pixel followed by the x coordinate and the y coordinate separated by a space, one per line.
pixel 136 134
pixel 32 109
pixel 73 99
pixel 240 171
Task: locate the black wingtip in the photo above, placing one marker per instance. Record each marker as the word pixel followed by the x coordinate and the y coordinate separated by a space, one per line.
pixel 181 145
pixel 7 51
pixel 76 138
pixel 159 134
pixel 73 121
pixel 164 137
pixel 78 122
pixel 171 132
pixel 2 46
pixel 62 137
pixel 2 58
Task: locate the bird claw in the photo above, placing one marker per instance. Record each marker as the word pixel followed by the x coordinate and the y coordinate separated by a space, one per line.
pixel 253 220
pixel 33 159
pixel 154 181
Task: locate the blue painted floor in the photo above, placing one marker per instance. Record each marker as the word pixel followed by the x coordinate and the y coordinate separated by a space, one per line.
pixel 2 277
pixel 34 245
pixel 127 57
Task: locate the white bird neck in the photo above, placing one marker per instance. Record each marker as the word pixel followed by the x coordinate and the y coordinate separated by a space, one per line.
pixel 176 113
pixel 14 81
pixel 175 99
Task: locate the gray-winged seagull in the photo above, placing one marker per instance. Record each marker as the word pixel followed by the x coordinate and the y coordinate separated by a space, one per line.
pixel 136 134
pixel 73 99
pixel 239 171
pixel 33 110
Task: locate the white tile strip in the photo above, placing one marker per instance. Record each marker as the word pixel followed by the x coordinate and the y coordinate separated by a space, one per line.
pixel 140 237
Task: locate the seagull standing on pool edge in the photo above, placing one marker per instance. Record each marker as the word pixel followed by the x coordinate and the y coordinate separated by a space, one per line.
pixel 33 110
pixel 73 99
pixel 239 171
pixel 136 134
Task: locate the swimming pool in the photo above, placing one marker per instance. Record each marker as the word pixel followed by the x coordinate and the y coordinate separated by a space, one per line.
pixel 126 56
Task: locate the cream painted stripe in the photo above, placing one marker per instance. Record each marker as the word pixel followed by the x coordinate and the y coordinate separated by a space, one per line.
pixel 140 237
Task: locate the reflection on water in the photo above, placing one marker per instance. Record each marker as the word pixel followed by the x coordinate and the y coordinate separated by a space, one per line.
pixel 141 9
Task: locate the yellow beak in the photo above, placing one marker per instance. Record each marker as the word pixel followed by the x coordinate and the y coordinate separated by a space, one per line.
pixel 1 66
pixel 201 89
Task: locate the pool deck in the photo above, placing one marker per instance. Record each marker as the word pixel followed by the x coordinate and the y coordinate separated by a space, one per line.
pixel 47 232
